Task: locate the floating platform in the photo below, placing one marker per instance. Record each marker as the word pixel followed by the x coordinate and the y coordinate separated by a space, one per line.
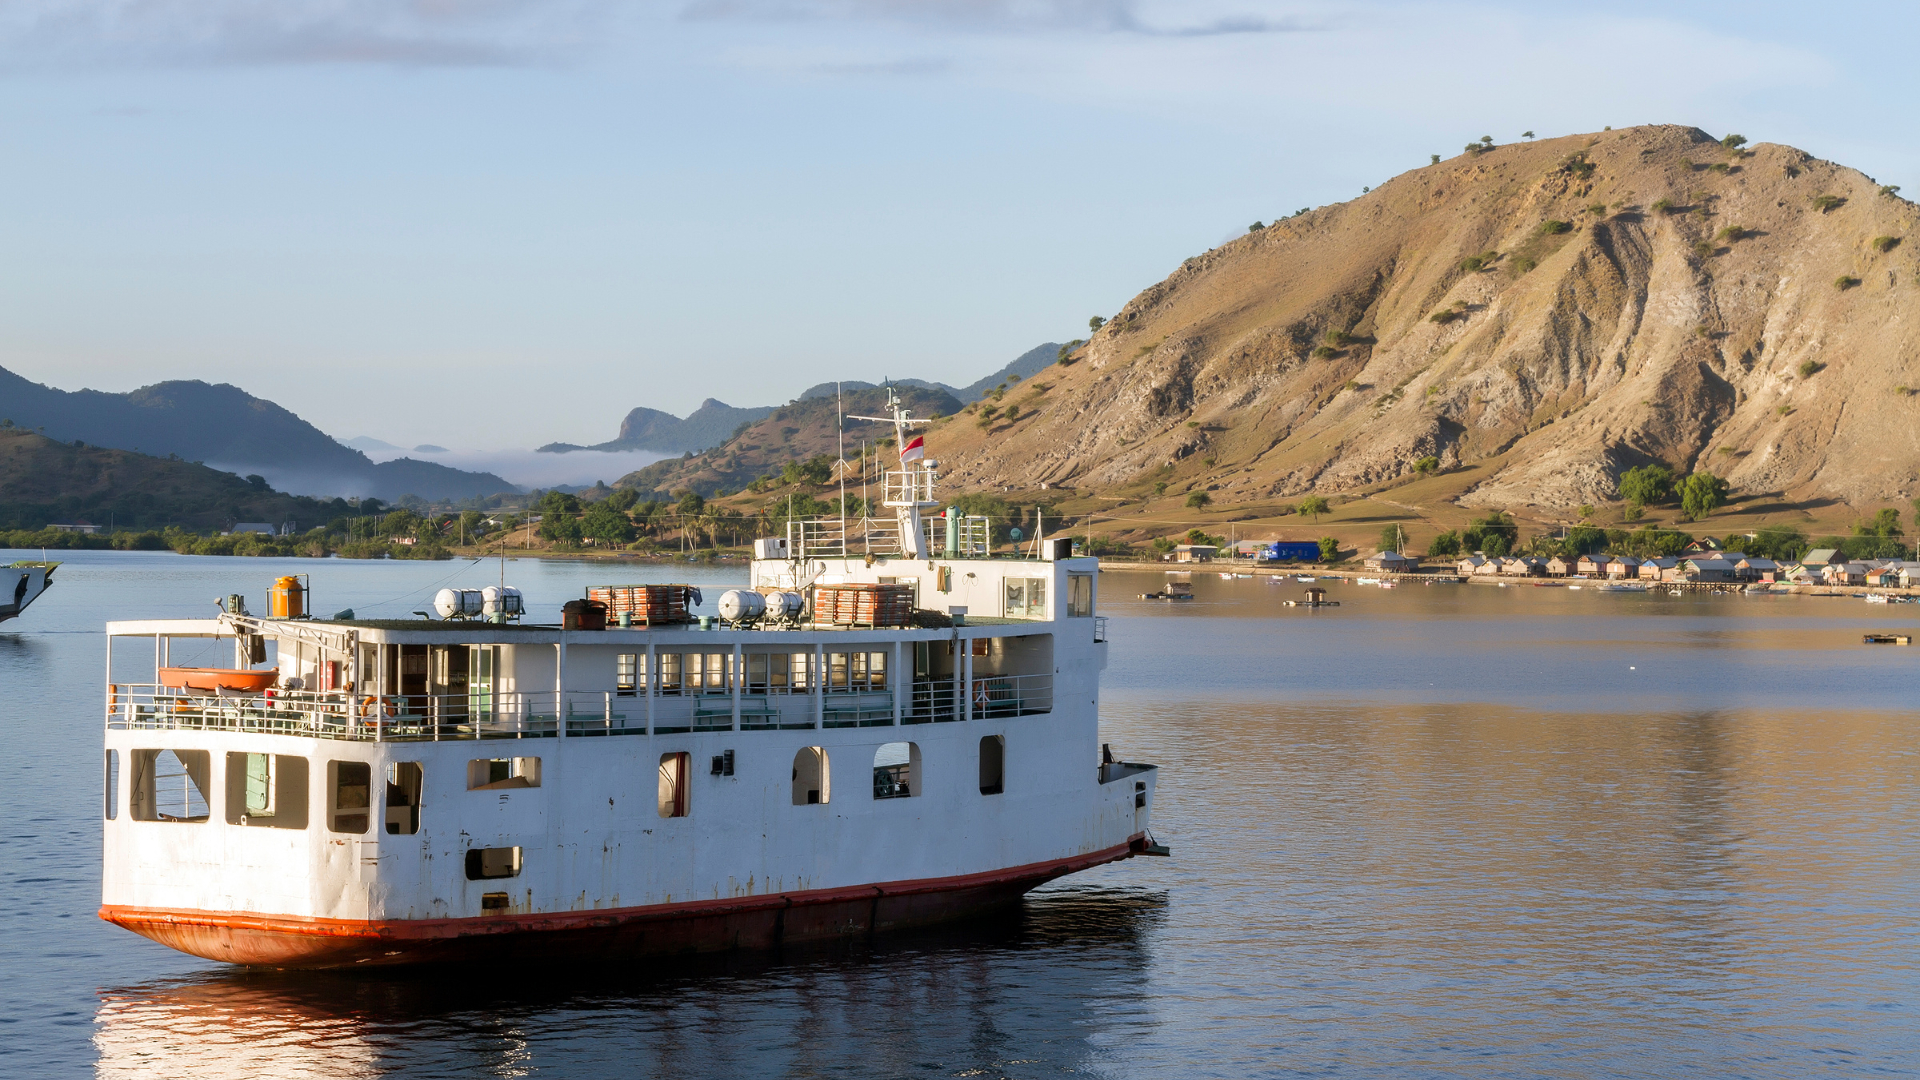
pixel 1886 639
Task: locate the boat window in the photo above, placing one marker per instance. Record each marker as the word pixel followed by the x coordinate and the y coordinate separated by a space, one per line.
pixel 1026 598
pixel 267 790
pixel 171 785
pixel 404 781
pixel 494 774
pixel 113 785
pixel 674 773
pixel 350 796
pixel 812 777
pixel 855 672
pixel 484 863
pixel 667 674
pixel 707 673
pixel 896 771
pixel 993 764
pixel 1079 595
pixel 625 668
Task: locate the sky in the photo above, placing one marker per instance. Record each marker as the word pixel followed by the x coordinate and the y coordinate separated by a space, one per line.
pixel 492 224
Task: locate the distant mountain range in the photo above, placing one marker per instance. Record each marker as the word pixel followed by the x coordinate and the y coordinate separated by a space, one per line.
pixel 715 422
pixel 228 429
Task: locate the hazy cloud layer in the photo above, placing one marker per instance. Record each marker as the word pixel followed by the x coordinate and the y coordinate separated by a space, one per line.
pixel 1110 16
pixel 418 33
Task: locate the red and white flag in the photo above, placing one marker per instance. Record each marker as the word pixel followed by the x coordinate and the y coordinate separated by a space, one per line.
pixel 914 450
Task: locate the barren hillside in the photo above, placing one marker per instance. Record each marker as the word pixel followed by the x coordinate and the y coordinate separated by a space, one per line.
pixel 1537 317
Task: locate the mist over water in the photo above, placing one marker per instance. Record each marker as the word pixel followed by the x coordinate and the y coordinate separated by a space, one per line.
pixel 1438 831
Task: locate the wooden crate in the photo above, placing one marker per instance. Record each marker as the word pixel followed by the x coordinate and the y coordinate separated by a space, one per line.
pixel 647 605
pixel 863 605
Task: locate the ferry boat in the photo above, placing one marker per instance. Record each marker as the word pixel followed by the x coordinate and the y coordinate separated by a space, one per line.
pixel 890 726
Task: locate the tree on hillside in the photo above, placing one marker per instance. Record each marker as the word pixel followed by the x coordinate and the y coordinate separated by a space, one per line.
pixel 1782 543
pixel 1393 538
pixel 1496 534
pixel 1313 506
pixel 1447 543
pixel 1198 500
pixel 1096 323
pixel 1329 549
pixel 1701 492
pixel 1647 484
pixel 607 525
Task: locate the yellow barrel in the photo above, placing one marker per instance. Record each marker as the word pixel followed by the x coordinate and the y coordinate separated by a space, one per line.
pixel 286 600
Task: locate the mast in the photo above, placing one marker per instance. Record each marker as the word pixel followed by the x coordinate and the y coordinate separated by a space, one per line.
pixel 910 489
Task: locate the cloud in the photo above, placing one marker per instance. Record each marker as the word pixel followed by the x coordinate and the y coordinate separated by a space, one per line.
pixel 400 33
pixel 1092 16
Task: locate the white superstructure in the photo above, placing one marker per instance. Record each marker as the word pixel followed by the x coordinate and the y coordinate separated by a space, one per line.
pixel 408 791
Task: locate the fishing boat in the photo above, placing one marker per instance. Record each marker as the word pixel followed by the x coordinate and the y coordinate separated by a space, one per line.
pixel 21 584
pixel 886 727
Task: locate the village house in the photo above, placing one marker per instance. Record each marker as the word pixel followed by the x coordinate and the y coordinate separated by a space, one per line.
pixel 1886 575
pixel 1658 570
pixel 1559 566
pixel 1819 557
pixel 1391 562
pixel 1844 573
pixel 1622 567
pixel 1909 574
pixel 1592 565
pixel 1754 568
pixel 1194 552
pixel 1711 569
pixel 1470 565
pixel 1490 568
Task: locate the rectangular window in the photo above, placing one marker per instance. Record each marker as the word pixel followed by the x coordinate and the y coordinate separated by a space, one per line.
pixel 486 863
pixel 267 790
pixel 668 674
pixel 675 770
pixel 404 782
pixel 836 671
pixel 707 673
pixel 626 668
pixel 113 785
pixel 171 785
pixel 350 796
pixel 1079 596
pixel 1027 598
pixel 501 774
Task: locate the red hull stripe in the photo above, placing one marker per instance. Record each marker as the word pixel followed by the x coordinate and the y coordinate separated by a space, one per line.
pixel 250 938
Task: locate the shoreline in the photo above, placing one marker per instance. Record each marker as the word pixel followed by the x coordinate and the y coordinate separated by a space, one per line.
pixel 1346 574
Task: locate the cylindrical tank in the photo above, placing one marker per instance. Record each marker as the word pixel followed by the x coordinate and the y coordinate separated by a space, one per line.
pixel 583 615
pixel 457 603
pixel 953 531
pixel 501 600
pixel 286 600
pixel 737 605
pixel 784 605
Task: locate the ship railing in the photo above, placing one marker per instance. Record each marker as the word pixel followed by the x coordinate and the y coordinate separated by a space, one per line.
pixel 988 696
pixel 907 487
pixel 335 714
pixel 1099 628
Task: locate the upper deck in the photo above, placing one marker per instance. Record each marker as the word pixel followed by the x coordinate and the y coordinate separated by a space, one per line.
pixel 993 640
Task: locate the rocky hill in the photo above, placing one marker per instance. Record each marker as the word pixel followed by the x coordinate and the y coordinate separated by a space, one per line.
pixel 797 431
pixel 1528 320
pixel 230 429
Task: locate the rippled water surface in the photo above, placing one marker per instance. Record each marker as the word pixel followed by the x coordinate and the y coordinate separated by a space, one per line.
pixel 1447 831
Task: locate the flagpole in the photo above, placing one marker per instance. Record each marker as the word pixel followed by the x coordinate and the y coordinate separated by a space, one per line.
pixel 840 459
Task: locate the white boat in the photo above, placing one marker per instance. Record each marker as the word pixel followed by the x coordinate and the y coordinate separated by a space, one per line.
pixel 21 584
pixel 1366 581
pixel 1573 588
pixel 877 734
pixel 1876 598
pixel 1389 584
pixel 1305 577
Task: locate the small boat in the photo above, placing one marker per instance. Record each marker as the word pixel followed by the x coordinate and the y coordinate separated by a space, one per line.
pixel 1876 598
pixel 1316 598
pixel 21 584
pixel 1573 588
pixel 241 680
pixel 1305 577
pixel 1366 581
pixel 1389 584
pixel 1676 592
pixel 1886 639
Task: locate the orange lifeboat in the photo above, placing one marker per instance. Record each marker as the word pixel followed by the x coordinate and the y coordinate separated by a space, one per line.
pixel 202 678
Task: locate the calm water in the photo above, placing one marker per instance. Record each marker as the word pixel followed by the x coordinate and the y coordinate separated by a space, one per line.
pixel 1441 831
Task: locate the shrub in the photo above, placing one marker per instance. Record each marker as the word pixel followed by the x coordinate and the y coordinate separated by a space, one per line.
pixel 1426 464
pixel 1526 134
pixel 1447 543
pixel 1720 167
pixel 1325 351
pixel 1435 157
pixel 1646 484
pixel 1487 141
pixel 1824 203
pixel 1013 412
pixel 1198 500
pixel 1339 338
pixel 1734 142
pixel 1445 316
pixel 1597 210
pixel 1586 510
pixel 1099 321
pixel 1809 367
pixel 1703 249
pixel 1522 264
pixel 1256 226
pixel 1353 384
pixel 1845 282
pixel 1472 263
pixel 1700 493
pixel 1159 487
pixel 1731 234
pixel 1551 227
pixel 1329 549
pixel 1663 206
pixel 1889 189
pixel 1884 244
pixel 1784 410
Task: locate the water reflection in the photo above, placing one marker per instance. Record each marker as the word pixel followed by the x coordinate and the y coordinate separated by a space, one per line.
pixel 1024 995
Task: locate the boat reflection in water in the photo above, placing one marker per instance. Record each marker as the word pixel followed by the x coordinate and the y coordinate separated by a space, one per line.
pixel 982 995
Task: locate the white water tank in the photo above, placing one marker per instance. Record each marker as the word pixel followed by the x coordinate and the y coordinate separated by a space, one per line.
pixel 456 603
pixel 784 605
pixel 737 605
pixel 501 600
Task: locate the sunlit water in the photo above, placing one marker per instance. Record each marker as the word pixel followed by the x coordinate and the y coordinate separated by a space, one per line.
pixel 1442 831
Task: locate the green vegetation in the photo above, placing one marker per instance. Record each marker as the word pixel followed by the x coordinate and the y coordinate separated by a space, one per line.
pixel 1495 535
pixel 1845 282
pixel 1647 484
pixel 1324 352
pixel 1663 206
pixel 1551 227
pixel 1160 487
pixel 1256 226
pixel 1313 506
pixel 1700 493
pixel 1447 543
pixel 1094 324
pixel 1065 357
pixel 1473 263
pixel 1884 244
pixel 1339 338
pixel 1445 316
pixel 1780 542
pixel 1597 210
pixel 1426 465
pixel 1198 500
pixel 1522 264
pixel 1526 134
pixel 1809 367
pixel 1577 165
pixel 1734 142
pixel 1732 234
pixel 1435 157
pixel 1329 549
pixel 1824 203
pixel 1703 249
pixel 1889 189
pixel 1784 410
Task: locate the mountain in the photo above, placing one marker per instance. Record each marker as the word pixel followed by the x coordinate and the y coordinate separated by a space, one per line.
pixel 650 429
pixel 1024 365
pixel 1535 318
pixel 42 480
pixel 229 429
pixel 794 432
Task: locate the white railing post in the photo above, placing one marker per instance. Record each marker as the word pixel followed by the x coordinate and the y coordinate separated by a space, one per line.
pixel 819 676
pixel 737 676
pixel 965 668
pixel 653 676
pixel 899 701
pixel 560 687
